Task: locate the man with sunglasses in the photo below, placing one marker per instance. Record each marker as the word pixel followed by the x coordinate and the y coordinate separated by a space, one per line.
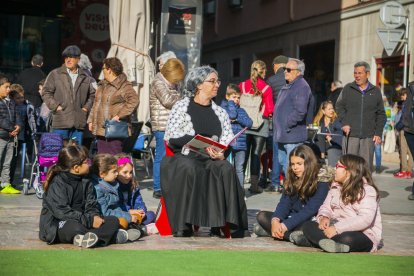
pixel 291 109
pixel 361 111
pixel 69 93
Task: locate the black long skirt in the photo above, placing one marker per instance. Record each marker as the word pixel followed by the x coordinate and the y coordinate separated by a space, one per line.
pixel 203 192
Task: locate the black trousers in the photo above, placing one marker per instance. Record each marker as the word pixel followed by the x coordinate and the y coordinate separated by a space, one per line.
pixel 264 218
pixel 105 233
pixel 357 241
pixel 255 146
pixel 409 137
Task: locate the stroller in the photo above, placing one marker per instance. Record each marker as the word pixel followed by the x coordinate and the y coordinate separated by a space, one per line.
pixel 46 155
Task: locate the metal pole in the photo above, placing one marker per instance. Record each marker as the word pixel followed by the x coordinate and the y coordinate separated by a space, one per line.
pixel 21 44
pixel 407 24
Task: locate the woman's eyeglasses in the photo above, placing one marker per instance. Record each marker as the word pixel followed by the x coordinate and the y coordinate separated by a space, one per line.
pixel 339 165
pixel 214 81
pixel 289 69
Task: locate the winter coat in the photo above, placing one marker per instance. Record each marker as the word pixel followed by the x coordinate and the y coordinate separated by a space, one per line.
pixel 162 97
pixel 364 112
pixel 277 81
pixel 333 96
pixel 57 206
pixel 134 200
pixel 239 120
pixel 335 128
pixel 9 117
pixel 116 98
pixel 29 79
pixel 292 211
pixel 407 111
pixel 267 95
pixel 28 117
pixel 362 216
pixel 290 114
pixel 108 199
pixel 58 90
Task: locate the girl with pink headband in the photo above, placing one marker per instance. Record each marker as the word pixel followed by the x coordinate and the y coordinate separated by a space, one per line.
pixel 130 194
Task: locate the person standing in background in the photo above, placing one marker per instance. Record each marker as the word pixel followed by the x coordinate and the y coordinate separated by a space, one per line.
pixel 336 89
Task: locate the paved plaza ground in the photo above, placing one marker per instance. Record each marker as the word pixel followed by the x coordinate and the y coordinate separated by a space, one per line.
pixel 19 218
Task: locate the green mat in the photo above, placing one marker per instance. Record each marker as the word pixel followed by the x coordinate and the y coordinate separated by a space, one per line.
pixel 200 262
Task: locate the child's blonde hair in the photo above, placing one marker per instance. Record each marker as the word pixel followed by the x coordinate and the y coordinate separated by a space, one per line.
pixel 320 114
pixel 118 157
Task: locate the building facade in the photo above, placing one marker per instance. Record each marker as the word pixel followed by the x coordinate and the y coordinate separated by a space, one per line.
pixel 329 35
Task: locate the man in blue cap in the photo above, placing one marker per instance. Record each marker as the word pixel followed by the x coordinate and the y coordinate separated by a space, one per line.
pixel 69 93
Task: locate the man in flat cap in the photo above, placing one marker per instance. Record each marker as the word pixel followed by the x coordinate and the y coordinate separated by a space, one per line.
pixel 277 81
pixel 69 93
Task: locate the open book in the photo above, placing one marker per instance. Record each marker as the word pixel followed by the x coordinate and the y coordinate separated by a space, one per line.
pixel 200 143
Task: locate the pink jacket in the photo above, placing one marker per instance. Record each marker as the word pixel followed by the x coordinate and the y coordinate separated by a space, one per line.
pixel 267 96
pixel 361 216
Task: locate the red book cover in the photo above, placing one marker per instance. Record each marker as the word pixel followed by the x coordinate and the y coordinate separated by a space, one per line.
pixel 200 143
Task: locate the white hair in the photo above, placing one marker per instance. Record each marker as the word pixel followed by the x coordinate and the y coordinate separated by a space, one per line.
pixel 84 62
pixel 301 65
pixel 166 56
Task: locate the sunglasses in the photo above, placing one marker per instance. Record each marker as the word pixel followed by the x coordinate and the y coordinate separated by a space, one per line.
pixel 288 69
pixel 338 165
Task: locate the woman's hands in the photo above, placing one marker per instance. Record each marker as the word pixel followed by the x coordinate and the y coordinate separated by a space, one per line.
pixel 97 222
pixel 324 223
pixel 329 231
pixel 135 214
pixel 216 155
pixel 278 229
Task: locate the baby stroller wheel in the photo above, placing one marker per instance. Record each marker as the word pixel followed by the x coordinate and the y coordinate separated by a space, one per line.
pixel 26 186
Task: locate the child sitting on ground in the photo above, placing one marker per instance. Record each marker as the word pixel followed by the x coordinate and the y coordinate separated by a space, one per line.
pixel 349 220
pixel 70 211
pixel 105 172
pixel 304 190
pixel 239 120
pixel 130 194
pixel 10 125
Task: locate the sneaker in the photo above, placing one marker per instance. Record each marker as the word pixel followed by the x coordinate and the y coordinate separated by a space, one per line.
pixel 121 236
pixel 411 197
pixel 151 229
pixel 156 194
pixel 401 174
pixel 133 234
pixel 259 231
pixel 8 189
pixel 331 246
pixel 299 239
pixel 408 174
pixel 89 240
pixel 77 240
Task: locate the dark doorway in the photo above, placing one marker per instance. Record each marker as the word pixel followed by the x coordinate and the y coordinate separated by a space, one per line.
pixel 319 60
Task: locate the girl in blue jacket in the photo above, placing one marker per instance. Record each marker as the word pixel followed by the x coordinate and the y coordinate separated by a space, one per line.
pixel 305 189
pixel 239 120
pixel 130 194
pixel 105 172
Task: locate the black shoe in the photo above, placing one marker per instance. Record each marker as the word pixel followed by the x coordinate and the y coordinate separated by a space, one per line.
pixel 215 232
pixel 156 194
pixel 184 234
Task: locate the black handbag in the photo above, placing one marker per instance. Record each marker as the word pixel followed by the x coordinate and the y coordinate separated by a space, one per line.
pixel 116 130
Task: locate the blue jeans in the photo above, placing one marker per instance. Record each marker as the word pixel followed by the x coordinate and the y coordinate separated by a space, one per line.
pixel 284 152
pixel 70 133
pixel 238 157
pixel 275 166
pixel 377 152
pixel 159 154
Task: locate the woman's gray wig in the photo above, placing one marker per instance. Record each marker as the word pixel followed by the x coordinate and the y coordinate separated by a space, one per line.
pixel 301 65
pixel 196 77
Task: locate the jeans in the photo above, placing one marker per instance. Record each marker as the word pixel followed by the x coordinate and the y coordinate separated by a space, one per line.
pixel 159 154
pixel 275 166
pixel 70 133
pixel 238 157
pixel 377 152
pixel 6 155
pixel 284 152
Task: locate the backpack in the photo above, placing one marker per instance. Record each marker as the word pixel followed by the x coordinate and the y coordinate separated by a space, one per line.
pixel 251 104
pixel 50 144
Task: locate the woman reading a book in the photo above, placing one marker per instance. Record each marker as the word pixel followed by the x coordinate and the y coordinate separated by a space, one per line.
pixel 201 189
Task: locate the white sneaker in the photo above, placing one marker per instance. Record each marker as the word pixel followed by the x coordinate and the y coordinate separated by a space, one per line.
pixel 89 240
pixel 121 236
pixel 77 240
pixel 133 234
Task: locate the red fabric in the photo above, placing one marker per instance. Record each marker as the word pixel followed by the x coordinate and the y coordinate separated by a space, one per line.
pixel 162 223
pixel 267 96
